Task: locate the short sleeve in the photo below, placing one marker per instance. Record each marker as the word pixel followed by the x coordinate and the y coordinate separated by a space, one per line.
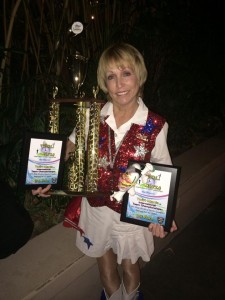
pixel 72 136
pixel 160 153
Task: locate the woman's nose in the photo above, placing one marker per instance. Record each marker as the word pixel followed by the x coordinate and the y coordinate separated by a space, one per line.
pixel 119 81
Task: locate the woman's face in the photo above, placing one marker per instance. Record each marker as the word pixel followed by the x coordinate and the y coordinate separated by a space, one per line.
pixel 122 84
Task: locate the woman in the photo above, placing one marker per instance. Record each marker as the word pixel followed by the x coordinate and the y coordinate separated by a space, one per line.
pixel 128 130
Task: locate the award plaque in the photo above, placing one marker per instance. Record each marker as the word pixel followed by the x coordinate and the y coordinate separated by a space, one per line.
pixel 153 198
pixel 42 160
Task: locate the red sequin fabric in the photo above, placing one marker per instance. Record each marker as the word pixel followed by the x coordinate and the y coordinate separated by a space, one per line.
pixel 136 145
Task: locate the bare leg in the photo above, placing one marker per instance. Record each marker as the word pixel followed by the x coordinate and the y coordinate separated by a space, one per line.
pixel 131 275
pixel 109 275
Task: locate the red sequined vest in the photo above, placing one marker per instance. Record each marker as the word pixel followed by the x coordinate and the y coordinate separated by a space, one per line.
pixel 137 144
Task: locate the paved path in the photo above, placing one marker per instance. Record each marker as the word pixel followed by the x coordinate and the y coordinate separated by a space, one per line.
pixel 192 266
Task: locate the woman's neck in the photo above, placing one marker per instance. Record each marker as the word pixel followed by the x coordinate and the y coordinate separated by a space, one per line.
pixel 124 114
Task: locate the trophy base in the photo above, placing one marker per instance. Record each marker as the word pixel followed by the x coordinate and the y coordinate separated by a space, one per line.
pixel 77 194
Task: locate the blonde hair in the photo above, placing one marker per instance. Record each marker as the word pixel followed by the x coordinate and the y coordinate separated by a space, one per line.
pixel 123 55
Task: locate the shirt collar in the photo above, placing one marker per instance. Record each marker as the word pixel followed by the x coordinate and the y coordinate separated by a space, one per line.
pixel 139 117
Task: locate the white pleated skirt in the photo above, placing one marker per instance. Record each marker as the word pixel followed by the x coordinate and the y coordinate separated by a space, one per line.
pixel 103 230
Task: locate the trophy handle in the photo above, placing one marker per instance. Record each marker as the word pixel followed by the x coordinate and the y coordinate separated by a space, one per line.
pixel 95 91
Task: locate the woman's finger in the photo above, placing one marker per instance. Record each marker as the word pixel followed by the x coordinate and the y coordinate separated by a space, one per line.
pixel 41 192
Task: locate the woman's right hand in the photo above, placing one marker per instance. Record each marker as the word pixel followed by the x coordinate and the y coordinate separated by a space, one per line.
pixel 41 192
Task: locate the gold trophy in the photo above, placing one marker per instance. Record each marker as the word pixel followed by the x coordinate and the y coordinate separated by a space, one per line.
pixel 82 166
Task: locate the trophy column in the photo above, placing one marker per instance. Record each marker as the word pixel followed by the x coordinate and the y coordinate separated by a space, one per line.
pixel 93 141
pixel 54 109
pixel 76 169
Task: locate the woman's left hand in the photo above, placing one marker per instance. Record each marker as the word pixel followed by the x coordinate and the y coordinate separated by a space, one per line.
pixel 158 230
pixel 42 192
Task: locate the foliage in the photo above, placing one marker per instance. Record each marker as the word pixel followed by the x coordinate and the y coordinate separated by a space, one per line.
pixel 45 213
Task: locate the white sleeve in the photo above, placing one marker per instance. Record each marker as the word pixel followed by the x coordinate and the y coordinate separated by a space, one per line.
pixel 160 153
pixel 72 136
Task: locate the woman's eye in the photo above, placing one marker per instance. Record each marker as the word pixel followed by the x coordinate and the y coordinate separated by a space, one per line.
pixel 127 73
pixel 110 77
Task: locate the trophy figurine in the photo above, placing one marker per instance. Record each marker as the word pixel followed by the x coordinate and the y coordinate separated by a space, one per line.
pixel 76 59
pixel 77 66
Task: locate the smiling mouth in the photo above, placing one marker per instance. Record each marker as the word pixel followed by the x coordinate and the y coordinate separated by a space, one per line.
pixel 122 93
